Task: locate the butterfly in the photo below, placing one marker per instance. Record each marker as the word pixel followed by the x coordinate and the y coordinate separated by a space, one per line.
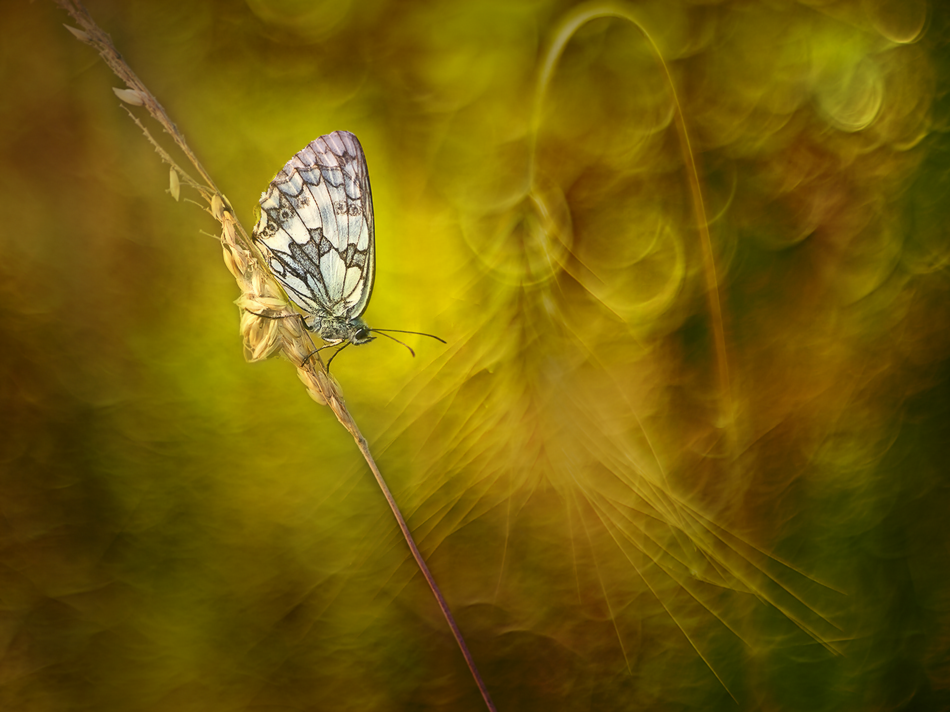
pixel 317 234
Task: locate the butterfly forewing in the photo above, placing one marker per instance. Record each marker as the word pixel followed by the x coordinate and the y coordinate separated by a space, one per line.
pixel 316 230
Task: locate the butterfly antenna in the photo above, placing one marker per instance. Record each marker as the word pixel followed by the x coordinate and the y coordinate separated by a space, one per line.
pixel 417 333
pixel 397 340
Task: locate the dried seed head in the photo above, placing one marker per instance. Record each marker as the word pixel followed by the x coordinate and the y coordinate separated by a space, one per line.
pixel 312 382
pixel 257 303
pixel 174 186
pixel 261 337
pixel 77 33
pixel 300 351
pixel 230 262
pixel 130 96
pixel 242 259
pixel 255 282
pixel 293 328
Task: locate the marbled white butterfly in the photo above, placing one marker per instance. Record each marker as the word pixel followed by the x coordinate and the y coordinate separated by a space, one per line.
pixel 317 234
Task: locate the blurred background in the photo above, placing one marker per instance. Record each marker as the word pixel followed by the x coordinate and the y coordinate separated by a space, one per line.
pixel 651 470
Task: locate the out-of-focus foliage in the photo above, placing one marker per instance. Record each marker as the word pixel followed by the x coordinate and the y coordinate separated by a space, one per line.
pixel 622 515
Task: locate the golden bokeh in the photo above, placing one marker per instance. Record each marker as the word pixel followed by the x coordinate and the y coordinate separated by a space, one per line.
pixel 685 448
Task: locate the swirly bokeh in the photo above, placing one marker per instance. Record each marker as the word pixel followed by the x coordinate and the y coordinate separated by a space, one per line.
pixel 686 448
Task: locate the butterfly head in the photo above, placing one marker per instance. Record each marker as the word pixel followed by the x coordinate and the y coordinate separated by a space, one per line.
pixel 339 329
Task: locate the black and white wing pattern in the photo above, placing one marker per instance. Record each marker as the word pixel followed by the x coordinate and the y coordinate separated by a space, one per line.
pixel 316 232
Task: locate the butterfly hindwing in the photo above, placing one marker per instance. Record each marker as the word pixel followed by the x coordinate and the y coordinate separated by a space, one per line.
pixel 316 229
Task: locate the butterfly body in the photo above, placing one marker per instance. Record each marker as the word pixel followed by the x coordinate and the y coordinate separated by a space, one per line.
pixel 316 232
pixel 336 330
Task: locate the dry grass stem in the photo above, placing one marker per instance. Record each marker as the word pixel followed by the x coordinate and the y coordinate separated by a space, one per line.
pixel 268 323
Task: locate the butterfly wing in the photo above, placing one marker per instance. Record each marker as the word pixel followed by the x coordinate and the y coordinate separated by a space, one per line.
pixel 316 228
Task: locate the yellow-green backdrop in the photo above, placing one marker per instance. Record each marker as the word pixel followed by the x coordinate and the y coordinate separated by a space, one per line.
pixel 668 460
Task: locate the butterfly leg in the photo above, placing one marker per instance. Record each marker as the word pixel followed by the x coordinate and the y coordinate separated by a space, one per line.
pixel 335 353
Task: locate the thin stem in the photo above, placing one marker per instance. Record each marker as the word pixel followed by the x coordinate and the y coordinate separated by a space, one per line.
pixel 578 17
pixel 424 568
pixel 259 293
